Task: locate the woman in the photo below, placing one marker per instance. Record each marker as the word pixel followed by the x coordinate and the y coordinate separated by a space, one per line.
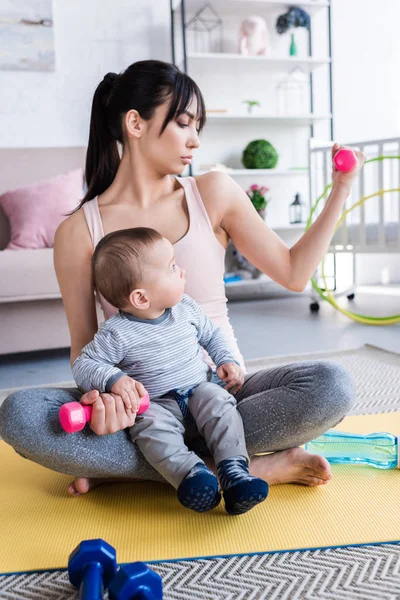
pixel 156 113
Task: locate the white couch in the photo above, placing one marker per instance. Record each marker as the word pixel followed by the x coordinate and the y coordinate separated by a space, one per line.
pixel 31 311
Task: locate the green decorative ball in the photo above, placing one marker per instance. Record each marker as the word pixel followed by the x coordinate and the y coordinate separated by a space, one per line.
pixel 260 154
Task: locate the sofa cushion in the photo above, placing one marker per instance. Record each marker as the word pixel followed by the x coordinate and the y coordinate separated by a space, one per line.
pixel 27 275
pixel 35 211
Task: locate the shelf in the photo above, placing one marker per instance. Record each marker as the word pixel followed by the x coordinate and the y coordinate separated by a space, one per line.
pixel 305 63
pixel 269 172
pixel 311 6
pixel 284 119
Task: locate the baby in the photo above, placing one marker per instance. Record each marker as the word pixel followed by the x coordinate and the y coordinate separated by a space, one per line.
pixel 155 341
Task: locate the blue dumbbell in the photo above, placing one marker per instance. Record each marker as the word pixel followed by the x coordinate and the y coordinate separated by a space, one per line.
pixel 135 582
pixel 91 567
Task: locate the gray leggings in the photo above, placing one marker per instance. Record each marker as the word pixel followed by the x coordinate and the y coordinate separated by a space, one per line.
pixel 281 407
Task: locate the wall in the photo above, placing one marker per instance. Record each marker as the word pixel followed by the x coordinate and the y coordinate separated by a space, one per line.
pixel 50 109
pixel 366 55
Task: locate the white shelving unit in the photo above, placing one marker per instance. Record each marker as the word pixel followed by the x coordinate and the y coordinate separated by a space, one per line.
pixel 228 79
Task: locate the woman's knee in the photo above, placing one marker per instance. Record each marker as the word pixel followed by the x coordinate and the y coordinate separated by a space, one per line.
pixel 12 412
pixel 333 387
pixel 26 413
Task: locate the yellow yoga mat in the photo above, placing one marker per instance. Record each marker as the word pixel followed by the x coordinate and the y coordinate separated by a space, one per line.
pixel 41 525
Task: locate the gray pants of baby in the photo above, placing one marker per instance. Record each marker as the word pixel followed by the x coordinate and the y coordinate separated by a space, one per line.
pixel 283 406
pixel 162 430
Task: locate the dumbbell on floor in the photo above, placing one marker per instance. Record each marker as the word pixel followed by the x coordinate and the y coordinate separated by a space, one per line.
pixel 135 581
pixel 74 416
pixel 91 567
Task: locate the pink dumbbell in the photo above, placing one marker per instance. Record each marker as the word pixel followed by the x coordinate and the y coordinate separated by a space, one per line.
pixel 74 416
pixel 345 160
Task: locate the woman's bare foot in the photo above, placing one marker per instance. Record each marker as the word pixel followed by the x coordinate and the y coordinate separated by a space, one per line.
pixel 292 466
pixel 82 485
pixel 287 466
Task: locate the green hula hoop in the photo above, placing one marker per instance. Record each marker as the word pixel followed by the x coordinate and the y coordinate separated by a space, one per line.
pixel 327 294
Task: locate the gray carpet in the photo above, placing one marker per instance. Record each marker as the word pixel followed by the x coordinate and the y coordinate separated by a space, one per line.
pixel 362 573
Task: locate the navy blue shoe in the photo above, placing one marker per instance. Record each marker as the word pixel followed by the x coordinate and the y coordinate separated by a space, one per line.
pixel 199 490
pixel 245 495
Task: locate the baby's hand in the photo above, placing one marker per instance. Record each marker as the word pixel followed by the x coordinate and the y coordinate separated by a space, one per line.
pixel 130 391
pixel 233 375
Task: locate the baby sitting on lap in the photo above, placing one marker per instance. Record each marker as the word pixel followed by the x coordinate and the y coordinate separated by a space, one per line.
pixel 155 341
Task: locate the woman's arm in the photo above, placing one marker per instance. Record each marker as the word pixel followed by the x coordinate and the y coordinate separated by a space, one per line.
pixel 290 267
pixel 72 261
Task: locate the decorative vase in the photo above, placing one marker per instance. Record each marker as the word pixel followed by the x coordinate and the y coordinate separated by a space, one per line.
pixel 293 46
pixel 254 37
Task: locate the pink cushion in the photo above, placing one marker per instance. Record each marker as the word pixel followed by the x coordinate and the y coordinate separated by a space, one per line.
pixel 35 211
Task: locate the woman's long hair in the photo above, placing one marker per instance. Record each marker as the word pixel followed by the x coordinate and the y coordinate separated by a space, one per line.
pixel 144 86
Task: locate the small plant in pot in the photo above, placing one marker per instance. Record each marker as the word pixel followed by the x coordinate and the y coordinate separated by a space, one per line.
pixel 251 104
pixel 256 194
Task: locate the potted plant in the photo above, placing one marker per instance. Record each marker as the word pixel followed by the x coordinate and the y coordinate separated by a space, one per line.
pixel 257 196
pixel 251 104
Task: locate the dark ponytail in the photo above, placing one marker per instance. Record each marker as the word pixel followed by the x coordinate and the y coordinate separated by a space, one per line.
pixel 102 157
pixel 144 86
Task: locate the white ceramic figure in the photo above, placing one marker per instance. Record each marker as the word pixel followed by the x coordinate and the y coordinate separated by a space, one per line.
pixel 254 37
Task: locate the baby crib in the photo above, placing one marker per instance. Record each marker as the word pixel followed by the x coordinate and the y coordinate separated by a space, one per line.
pixel 373 227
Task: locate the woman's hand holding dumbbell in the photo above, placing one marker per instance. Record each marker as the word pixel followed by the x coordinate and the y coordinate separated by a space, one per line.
pixel 106 413
pixel 347 163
